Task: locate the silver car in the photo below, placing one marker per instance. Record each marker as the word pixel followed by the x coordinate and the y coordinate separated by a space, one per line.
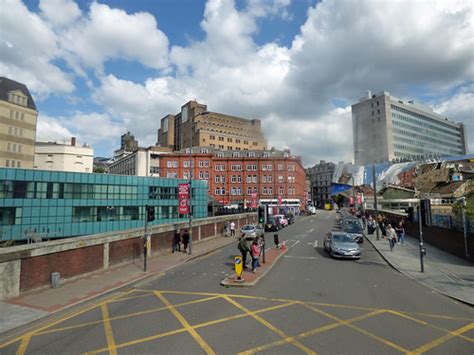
pixel 250 231
pixel 341 245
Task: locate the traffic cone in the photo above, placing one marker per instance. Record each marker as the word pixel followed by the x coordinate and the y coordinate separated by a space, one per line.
pixel 283 246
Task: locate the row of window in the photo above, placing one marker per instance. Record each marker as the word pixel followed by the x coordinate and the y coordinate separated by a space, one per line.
pixel 422 137
pixel 11 163
pixel 17 115
pixel 230 140
pixel 17 99
pixel 15 131
pixel 411 124
pixel 425 121
pixel 14 147
pixel 266 190
pixel 422 147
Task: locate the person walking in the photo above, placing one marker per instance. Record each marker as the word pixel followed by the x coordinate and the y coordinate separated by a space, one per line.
pixel 400 229
pixel 185 240
pixel 244 250
pixel 226 229
pixel 392 236
pixel 232 229
pixel 176 245
pixel 255 251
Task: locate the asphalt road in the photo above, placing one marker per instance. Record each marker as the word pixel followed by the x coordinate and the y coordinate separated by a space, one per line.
pixel 308 303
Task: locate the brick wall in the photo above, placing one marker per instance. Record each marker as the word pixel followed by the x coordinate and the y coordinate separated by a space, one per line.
pixel 124 250
pixel 36 271
pixel 161 242
pixel 207 231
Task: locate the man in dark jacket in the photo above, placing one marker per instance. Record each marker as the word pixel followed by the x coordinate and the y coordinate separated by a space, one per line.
pixel 176 246
pixel 244 249
pixel 185 240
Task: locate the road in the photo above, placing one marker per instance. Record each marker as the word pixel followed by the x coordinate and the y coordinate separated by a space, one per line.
pixel 308 303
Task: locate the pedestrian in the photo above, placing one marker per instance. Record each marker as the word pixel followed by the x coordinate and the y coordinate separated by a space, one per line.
pixel 226 229
pixel 370 225
pixel 383 225
pixel 244 249
pixel 255 251
pixel 392 236
pixel 185 239
pixel 232 229
pixel 176 245
pixel 400 229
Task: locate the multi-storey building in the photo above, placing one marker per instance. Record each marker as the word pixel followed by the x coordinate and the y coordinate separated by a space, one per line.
pixel 321 178
pixel 64 157
pixel 209 129
pixel 234 177
pixel 17 125
pixel 386 128
pixel 51 204
pixel 128 144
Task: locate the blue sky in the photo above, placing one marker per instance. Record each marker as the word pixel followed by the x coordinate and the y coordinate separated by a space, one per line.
pixel 99 69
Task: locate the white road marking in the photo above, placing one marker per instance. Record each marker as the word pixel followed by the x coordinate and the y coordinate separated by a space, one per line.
pixel 300 257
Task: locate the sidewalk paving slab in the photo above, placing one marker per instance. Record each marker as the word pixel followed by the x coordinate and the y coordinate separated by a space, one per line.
pixel 45 301
pixel 443 272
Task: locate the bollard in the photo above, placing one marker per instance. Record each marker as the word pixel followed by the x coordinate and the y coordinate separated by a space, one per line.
pixel 276 240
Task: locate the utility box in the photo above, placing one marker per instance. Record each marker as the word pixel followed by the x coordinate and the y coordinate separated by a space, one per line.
pixel 55 279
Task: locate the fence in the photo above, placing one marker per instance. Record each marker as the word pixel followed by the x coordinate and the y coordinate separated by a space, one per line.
pixel 452 222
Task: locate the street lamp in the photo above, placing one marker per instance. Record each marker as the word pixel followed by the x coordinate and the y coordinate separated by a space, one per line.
pixel 462 201
pixel 190 189
pixel 375 201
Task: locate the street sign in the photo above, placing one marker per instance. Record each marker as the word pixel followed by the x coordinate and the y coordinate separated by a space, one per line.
pixel 183 198
pixel 254 202
pixel 238 266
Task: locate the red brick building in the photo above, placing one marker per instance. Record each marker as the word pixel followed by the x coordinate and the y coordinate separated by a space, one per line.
pixel 234 177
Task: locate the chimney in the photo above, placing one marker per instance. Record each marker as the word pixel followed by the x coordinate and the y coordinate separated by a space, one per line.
pixel 73 141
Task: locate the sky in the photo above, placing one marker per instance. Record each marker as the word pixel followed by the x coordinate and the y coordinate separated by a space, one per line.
pixel 98 69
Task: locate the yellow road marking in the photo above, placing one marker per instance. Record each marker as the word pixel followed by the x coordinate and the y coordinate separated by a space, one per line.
pixel 108 330
pixel 270 326
pixel 311 332
pixel 59 320
pixel 407 317
pixel 186 325
pixel 442 339
pixel 197 326
pixel 77 326
pixel 360 330
pixel 23 345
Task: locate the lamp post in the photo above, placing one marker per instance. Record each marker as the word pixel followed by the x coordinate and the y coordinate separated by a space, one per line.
pixel 374 178
pixel 190 189
pixel 354 193
pixel 462 201
pixel 422 249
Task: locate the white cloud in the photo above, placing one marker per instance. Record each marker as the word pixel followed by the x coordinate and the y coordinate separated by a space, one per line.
pixel 28 48
pixel 60 12
pixel 108 33
pixel 51 129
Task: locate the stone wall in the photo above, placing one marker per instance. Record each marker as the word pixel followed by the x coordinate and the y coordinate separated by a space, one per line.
pixel 26 267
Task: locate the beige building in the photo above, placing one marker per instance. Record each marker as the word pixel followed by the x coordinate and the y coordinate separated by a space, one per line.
pixel 18 117
pixel 209 129
pixel 64 157
pixel 141 162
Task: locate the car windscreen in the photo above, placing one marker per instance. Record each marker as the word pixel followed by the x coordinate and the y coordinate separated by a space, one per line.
pixel 342 238
pixel 353 228
pixel 248 228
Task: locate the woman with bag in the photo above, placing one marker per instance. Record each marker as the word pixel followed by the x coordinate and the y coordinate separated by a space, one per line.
pixel 255 251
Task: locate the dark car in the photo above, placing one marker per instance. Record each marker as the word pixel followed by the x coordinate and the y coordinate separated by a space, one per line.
pixel 272 225
pixel 355 231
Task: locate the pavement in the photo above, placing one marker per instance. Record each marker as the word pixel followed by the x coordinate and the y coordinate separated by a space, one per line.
pixel 309 302
pixel 443 272
pixel 45 301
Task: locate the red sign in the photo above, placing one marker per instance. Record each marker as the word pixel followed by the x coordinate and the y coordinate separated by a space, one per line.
pixel 279 200
pixel 183 198
pixel 224 201
pixel 254 202
pixel 359 198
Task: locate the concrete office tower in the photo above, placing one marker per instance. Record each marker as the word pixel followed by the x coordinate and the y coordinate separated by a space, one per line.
pixel 17 125
pixel 386 128
pixel 210 129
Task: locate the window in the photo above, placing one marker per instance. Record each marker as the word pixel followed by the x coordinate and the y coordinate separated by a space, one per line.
pixel 234 178
pixel 217 191
pixel 220 155
pixel 291 167
pixel 204 151
pixel 185 163
pixel 249 190
pixel 280 167
pixel 246 142
pixel 264 178
pixel 222 179
pixel 237 141
pixel 212 137
pixel 251 154
pixel 270 178
pixel 221 147
pixel 270 190
pixel 239 178
pixel 235 155
pixel 216 179
pixel 229 140
pixel 280 178
pixel 266 154
pixel 254 179
pixel 255 143
pixel 221 139
pixel 280 190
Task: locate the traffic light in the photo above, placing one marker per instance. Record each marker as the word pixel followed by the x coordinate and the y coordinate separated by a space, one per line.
pixel 150 213
pixel 261 214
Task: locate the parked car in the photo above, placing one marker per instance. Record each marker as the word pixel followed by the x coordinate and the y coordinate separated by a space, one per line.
pixel 341 245
pixel 281 218
pixel 272 225
pixel 355 231
pixel 248 231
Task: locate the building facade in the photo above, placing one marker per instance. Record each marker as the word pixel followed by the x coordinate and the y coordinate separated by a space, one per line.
pixel 18 117
pixel 64 157
pixel 234 178
pixel 320 176
pixel 386 128
pixel 48 204
pixel 128 144
pixel 209 129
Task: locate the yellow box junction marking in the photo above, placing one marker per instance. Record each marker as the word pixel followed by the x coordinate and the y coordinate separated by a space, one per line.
pixel 108 330
pixel 186 325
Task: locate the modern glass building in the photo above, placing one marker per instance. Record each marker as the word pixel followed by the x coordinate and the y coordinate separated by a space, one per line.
pixel 50 204
pixel 386 128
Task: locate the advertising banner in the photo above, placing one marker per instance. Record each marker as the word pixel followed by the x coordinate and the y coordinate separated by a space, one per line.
pixel 279 200
pixel 254 202
pixel 183 198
